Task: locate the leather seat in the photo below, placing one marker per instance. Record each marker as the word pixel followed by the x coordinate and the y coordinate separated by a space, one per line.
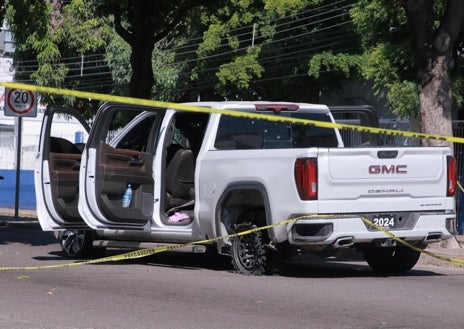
pixel 179 184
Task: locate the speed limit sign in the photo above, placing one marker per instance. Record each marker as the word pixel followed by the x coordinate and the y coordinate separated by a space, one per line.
pixel 20 103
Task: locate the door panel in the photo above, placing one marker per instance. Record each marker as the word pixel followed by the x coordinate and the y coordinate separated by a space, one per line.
pixel 115 169
pixel 57 168
pixel 64 181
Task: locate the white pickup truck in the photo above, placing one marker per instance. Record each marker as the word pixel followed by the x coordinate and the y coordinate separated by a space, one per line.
pixel 198 176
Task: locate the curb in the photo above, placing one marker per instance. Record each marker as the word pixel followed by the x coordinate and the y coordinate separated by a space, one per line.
pixel 23 224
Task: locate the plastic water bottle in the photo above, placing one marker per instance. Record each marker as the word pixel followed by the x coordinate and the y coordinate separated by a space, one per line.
pixel 127 196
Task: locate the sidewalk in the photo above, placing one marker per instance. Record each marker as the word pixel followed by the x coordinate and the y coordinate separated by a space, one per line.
pixel 22 213
pixel 453 248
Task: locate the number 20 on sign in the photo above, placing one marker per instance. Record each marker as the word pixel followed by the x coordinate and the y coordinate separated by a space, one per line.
pixel 20 103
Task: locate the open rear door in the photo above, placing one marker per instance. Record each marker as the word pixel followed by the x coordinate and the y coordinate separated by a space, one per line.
pixel 57 167
pixel 119 152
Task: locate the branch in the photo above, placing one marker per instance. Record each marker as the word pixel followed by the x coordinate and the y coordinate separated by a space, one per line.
pixel 123 33
pixel 179 15
pixel 452 19
pixel 420 23
pixel 449 29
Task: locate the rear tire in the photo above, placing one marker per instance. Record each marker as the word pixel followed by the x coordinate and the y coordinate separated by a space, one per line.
pixel 249 254
pixel 391 260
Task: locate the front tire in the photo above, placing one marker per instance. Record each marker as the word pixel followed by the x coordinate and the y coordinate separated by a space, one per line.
pixel 249 253
pixel 76 243
pixel 391 260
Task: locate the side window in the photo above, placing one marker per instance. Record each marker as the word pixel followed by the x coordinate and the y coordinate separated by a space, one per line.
pixel 187 132
pixel 67 135
pixel 127 128
pixel 238 133
pixel 138 136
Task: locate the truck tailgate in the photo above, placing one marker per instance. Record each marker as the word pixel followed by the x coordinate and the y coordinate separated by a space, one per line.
pixel 383 179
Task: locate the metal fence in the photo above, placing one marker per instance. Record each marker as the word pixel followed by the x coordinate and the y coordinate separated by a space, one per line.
pixel 354 138
pixel 458 131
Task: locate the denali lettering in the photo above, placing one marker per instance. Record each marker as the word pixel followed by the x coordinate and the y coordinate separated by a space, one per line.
pixel 385 191
pixel 388 169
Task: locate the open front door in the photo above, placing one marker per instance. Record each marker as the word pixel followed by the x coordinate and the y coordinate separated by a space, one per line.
pixel 57 166
pixel 120 152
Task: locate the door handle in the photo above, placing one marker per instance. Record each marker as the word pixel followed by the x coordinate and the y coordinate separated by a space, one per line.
pixel 118 157
pixel 136 161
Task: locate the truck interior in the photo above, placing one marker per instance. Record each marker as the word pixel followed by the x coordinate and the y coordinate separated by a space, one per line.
pixel 183 143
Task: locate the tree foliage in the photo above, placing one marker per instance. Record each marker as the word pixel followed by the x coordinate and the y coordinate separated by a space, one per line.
pixel 411 48
pixel 56 45
pixel 244 49
pixel 434 40
pixel 142 25
pixel 258 49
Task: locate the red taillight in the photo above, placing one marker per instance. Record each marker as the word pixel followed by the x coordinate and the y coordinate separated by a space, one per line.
pixel 276 108
pixel 452 172
pixel 306 178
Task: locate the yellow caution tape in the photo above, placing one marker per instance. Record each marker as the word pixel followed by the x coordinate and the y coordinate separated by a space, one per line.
pixel 460 186
pixel 193 108
pixel 151 251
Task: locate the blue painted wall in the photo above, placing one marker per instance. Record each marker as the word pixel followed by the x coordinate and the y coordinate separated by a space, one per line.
pixel 26 189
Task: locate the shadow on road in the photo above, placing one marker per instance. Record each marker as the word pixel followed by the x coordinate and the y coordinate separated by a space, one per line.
pixel 306 266
pixel 26 234
pixel 316 267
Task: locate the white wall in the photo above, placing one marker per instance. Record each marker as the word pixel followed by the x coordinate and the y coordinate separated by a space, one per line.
pixel 30 136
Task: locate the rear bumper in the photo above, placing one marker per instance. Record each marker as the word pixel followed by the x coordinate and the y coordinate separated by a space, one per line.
pixel 349 230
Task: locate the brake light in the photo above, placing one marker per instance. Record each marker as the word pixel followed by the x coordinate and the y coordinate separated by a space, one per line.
pixel 452 173
pixel 276 108
pixel 306 178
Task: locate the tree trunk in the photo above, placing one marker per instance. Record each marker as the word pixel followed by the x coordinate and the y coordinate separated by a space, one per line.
pixel 436 102
pixel 149 22
pixel 433 49
pixel 143 42
pixel 141 38
pixel 142 79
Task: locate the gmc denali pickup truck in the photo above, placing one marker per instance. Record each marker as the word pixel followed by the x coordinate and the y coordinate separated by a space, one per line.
pixel 198 175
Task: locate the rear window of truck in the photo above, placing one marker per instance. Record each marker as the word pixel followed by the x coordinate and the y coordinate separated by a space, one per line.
pixel 237 133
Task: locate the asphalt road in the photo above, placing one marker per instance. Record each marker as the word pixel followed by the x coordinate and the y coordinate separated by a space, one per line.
pixel 176 290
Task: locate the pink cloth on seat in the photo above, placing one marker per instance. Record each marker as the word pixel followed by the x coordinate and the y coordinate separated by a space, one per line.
pixel 178 217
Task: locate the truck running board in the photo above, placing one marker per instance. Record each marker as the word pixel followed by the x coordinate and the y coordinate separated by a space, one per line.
pixel 198 249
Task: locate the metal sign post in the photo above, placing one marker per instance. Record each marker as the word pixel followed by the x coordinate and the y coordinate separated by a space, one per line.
pixel 19 103
pixel 18 165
